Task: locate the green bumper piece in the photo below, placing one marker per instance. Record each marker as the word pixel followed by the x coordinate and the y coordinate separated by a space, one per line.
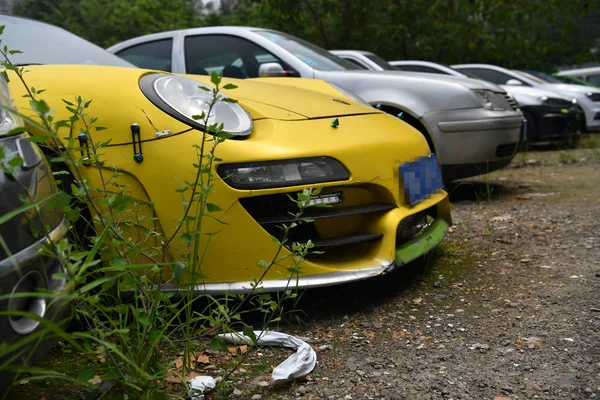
pixel 430 238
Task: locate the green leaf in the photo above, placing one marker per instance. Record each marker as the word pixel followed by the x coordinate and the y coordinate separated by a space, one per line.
pixel 215 78
pixel 60 201
pixel 15 162
pixel 249 331
pixel 120 202
pixel 217 344
pixel 230 86
pixel 210 207
pixel 229 100
pixel 85 374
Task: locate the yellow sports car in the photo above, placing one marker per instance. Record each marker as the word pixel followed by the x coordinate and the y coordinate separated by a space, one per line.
pixel 378 178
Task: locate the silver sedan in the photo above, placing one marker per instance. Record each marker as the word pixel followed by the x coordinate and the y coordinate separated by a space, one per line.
pixel 471 128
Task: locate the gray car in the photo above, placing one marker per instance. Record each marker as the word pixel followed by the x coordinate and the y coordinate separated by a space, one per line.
pixel 27 237
pixel 471 129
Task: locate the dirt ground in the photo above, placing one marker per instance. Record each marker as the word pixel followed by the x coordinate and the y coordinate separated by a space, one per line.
pixel 508 306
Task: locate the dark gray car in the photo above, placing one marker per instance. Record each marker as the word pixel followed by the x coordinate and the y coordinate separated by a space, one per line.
pixel 27 238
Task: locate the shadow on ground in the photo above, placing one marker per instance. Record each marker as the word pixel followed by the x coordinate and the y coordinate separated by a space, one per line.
pixel 478 191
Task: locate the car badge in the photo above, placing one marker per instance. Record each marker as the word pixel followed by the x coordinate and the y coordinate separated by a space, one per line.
pixel 341 101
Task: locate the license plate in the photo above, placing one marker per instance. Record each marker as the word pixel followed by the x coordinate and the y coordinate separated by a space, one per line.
pixel 421 178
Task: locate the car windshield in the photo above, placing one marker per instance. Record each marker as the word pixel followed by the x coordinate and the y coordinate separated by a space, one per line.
pixel 542 76
pixel 42 43
pixel 381 62
pixel 314 56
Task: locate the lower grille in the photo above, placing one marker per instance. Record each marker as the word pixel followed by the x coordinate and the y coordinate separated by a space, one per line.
pixel 343 226
pixel 511 100
pixel 413 225
pixel 595 97
pixel 506 150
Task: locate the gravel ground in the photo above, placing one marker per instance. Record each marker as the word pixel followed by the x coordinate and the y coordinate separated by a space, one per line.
pixel 507 308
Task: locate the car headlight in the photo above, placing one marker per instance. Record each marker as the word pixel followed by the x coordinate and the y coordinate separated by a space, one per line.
pixel 491 101
pixel 349 94
pixel 281 173
pixel 183 98
pixel 593 96
pixel 8 121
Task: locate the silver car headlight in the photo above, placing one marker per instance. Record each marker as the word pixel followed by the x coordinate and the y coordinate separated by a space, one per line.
pixel 593 96
pixel 491 101
pixel 185 99
pixel 349 94
pixel 8 121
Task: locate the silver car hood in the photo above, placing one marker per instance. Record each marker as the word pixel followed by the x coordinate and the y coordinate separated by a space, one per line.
pixel 571 88
pixel 411 77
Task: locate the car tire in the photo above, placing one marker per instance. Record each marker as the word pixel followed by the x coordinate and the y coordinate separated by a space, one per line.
pixel 532 133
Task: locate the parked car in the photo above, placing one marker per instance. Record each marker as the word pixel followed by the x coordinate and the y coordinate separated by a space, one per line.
pixel 471 129
pixel 553 78
pixel 586 98
pixel 364 59
pixel 377 173
pixel 373 62
pixel 542 108
pixel 27 265
pixel 591 74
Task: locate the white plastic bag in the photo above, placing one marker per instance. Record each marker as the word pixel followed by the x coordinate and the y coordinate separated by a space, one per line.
pixel 200 384
pixel 299 364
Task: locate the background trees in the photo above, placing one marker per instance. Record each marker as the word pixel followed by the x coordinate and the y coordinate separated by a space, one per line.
pixel 514 33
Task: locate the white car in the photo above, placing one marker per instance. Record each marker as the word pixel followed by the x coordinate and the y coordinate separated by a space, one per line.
pixel 587 97
pixel 543 109
pixel 591 74
pixel 471 129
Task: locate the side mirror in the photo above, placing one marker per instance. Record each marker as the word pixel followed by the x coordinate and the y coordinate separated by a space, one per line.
pixel 271 69
pixel 514 82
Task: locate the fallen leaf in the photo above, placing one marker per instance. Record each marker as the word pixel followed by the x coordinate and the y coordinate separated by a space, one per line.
pixel 203 358
pixel 235 350
pixel 178 363
pixel 523 197
pixel 452 229
pixel 501 218
pixel 505 241
pixel 95 380
pixel 418 300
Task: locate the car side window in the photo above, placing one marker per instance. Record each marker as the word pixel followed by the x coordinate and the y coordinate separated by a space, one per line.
pixel 490 75
pixel 594 79
pixel 232 56
pixel 151 55
pixel 355 62
pixel 420 68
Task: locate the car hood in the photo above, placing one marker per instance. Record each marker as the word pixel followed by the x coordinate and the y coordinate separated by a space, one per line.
pixel 571 88
pixel 532 91
pixel 104 85
pixel 412 78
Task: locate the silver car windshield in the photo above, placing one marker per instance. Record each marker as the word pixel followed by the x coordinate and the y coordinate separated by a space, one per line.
pixel 314 56
pixel 42 43
pixel 381 62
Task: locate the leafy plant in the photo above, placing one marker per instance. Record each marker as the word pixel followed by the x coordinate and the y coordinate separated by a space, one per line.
pixel 115 273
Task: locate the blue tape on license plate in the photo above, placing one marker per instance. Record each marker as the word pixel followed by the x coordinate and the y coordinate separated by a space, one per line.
pixel 421 178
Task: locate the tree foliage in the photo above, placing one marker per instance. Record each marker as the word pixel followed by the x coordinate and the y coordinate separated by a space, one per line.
pixel 110 21
pixel 513 33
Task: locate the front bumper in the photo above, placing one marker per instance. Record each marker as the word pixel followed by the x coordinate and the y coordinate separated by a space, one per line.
pixel 408 251
pixel 30 268
pixel 555 122
pixel 481 138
